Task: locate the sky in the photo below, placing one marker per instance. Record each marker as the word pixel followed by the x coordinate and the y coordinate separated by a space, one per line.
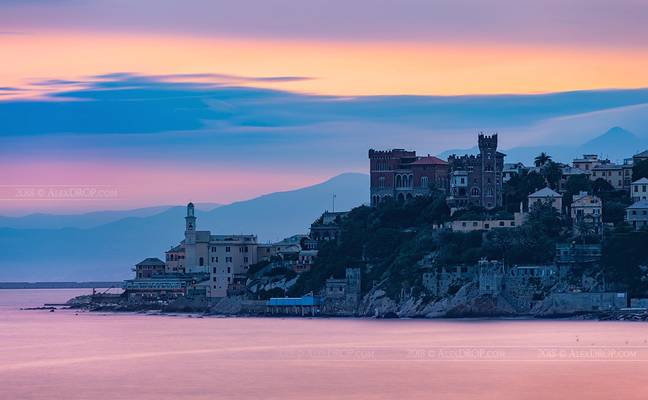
pixel 161 102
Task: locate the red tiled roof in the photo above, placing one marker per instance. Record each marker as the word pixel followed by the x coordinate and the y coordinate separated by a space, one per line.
pixel 429 160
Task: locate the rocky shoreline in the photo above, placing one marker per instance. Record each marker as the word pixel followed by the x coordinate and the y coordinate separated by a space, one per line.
pixel 233 307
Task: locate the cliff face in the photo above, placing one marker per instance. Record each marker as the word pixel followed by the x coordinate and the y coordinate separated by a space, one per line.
pixel 467 302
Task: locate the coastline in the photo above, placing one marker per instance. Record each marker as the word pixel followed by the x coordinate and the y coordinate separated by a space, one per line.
pixel 78 303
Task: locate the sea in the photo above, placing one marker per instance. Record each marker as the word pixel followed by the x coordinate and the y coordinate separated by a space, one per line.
pixel 68 354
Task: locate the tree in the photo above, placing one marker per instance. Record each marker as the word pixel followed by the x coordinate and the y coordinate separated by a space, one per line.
pixel 623 256
pixel 576 184
pixel 640 170
pixel 614 211
pixel 519 187
pixel 542 159
pixel 552 172
pixel 601 187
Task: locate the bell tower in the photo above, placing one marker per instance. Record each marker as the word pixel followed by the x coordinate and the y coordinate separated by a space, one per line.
pixel 190 221
pixel 190 239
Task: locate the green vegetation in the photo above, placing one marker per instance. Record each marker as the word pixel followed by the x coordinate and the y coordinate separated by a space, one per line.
pixel 640 170
pixel 389 241
pixel 624 254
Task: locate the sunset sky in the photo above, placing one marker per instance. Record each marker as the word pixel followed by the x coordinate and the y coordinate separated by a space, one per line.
pixel 218 101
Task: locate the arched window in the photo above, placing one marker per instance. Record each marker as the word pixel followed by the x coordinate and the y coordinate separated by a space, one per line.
pixel 489 192
pixel 474 191
pixel 425 182
pixel 201 261
pixel 398 181
pixel 381 182
pixel 401 197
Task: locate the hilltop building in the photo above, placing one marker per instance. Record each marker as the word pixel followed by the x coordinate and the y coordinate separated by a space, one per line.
pixel 477 179
pixel 637 215
pixel 402 175
pixel 639 190
pixel 326 228
pixel 611 173
pixel 586 209
pixel 588 162
pixel 546 196
pixel 487 223
pixel 512 169
pixel 618 176
pixel 643 156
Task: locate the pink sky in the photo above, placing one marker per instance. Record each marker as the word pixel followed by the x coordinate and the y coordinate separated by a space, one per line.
pixel 375 47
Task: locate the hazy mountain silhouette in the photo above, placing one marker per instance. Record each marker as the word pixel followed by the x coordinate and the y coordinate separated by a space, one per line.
pixel 109 251
pixel 615 144
pixel 85 220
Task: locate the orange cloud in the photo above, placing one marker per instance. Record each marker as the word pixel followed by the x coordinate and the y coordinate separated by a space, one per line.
pixel 339 68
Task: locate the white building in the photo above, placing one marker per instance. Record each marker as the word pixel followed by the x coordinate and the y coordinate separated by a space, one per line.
pixel 639 190
pixel 637 215
pixel 586 209
pixel 546 196
pixel 223 257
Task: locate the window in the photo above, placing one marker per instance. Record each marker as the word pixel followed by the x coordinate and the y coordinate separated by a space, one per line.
pixel 229 270
pixel 214 270
pixel 227 249
pixel 245 260
pixel 228 259
pixel 381 182
pixel 201 261
pixel 425 182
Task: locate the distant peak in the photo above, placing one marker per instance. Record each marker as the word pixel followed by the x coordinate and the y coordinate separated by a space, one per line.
pixel 612 135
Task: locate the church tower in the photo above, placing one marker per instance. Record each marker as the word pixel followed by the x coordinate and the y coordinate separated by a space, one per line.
pixel 190 239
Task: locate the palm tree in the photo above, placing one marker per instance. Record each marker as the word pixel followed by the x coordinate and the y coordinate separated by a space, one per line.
pixel 542 159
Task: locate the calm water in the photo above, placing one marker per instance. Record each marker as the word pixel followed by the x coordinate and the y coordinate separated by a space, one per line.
pixel 65 355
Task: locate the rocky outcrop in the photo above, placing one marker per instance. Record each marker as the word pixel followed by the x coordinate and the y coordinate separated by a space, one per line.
pixel 467 302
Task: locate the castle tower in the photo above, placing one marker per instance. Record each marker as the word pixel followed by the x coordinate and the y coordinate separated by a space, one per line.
pixel 490 171
pixel 190 239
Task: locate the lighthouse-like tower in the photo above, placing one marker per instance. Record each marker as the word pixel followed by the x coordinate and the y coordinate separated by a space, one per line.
pixel 190 239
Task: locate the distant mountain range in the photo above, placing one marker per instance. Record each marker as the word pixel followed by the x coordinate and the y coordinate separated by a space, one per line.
pixel 615 144
pixel 81 248
pixel 86 220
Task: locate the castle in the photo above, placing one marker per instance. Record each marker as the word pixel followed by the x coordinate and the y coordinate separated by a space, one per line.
pixel 467 180
pixel 402 175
